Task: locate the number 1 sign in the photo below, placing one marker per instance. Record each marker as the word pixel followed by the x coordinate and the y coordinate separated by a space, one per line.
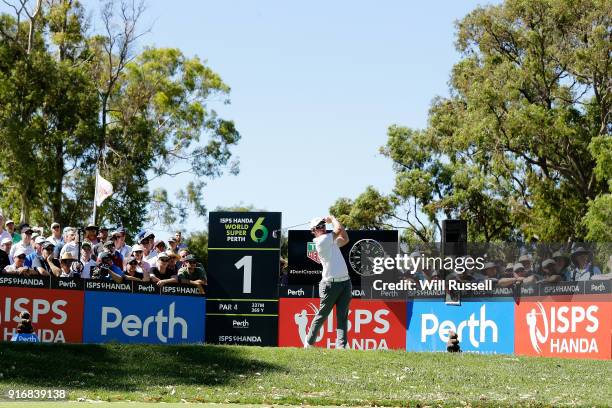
pixel 243 272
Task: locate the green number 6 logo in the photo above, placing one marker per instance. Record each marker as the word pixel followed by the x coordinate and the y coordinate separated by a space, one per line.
pixel 259 227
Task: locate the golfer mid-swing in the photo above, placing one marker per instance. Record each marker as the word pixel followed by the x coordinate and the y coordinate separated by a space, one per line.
pixel 335 286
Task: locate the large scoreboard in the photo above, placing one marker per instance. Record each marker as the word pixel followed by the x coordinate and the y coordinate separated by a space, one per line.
pixel 243 274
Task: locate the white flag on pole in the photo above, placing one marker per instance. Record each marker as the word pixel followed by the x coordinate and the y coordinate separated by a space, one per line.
pixel 104 189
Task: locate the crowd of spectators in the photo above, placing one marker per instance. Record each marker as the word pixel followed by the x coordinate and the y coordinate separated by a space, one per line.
pixel 559 266
pixel 104 255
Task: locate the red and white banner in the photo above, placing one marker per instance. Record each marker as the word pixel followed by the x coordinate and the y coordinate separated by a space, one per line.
pixel 563 329
pixel 104 189
pixel 57 315
pixel 372 324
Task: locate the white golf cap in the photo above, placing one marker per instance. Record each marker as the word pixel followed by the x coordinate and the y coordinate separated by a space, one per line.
pixel 39 240
pixel 316 221
pixel 6 241
pixel 19 251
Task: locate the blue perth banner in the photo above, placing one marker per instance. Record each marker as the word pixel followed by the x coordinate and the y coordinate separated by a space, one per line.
pixel 483 326
pixel 136 318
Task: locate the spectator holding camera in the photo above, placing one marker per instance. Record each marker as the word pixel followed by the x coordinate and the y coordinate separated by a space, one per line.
pixel 106 269
pixel 192 274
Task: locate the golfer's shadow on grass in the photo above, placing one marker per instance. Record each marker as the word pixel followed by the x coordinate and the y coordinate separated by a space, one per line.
pixel 125 368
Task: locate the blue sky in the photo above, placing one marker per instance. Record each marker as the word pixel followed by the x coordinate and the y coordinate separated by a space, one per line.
pixel 314 87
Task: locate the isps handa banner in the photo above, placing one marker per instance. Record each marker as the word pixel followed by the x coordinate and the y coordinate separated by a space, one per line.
pixel 482 326
pixel 373 325
pixel 57 315
pixel 139 318
pixel 564 329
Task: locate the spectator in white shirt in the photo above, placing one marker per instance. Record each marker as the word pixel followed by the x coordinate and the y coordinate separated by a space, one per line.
pixel 124 249
pixel 71 245
pixel 26 242
pixel 56 235
pixel 88 263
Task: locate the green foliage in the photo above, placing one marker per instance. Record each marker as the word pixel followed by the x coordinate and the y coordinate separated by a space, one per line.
pixel 522 145
pixel 197 243
pixel 71 102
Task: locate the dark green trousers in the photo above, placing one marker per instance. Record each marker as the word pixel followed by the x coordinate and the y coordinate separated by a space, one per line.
pixel 338 294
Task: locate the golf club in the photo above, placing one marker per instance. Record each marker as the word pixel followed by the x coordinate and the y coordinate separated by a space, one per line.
pixel 275 232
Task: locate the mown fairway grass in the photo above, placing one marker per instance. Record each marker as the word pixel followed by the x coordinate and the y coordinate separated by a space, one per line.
pixel 233 374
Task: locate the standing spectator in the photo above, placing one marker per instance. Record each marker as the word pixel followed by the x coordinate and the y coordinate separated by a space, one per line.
pixel 56 235
pixel 26 241
pixel 159 248
pixel 91 233
pixel 490 272
pixel 527 262
pixel 173 260
pixel 3 232
pixel 109 246
pixel 584 269
pixel 138 252
pixel 71 244
pixel 563 264
pixel 10 227
pixel 124 249
pixel 173 245
pixel 86 259
pixel 192 274
pixel 102 238
pixel 148 241
pixel 41 263
pixel 178 236
pixel 551 272
pixel 132 272
pixel 161 274
pixel 38 242
pixel 5 248
pixel 25 331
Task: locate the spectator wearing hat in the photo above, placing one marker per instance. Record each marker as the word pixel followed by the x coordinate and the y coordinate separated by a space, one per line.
pixel 26 241
pixel 37 251
pixel 490 272
pixel 133 272
pixel 138 252
pixel 192 274
pixel 4 233
pixel 41 262
pixel 174 258
pixel 25 331
pixel 65 269
pixel 102 238
pixel 161 273
pixel 124 249
pixel 18 266
pixel 10 227
pixel 87 259
pixel 520 275
pixel 182 255
pixel 5 249
pixel 584 269
pixel 106 269
pixel 527 261
pixel 109 246
pixel 173 246
pixel 56 234
pixel 550 271
pixel 91 233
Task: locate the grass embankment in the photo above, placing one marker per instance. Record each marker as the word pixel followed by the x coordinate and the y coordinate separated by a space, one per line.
pixel 233 374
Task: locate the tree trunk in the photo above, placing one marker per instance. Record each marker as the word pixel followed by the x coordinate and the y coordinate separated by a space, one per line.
pixel 57 195
pixel 25 208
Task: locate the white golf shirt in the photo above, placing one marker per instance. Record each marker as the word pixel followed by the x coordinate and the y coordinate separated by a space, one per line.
pixel 331 258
